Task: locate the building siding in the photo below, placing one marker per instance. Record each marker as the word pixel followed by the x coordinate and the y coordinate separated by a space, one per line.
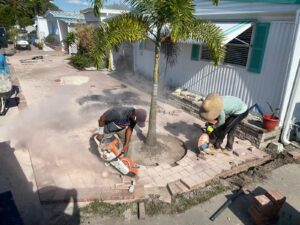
pixel 203 77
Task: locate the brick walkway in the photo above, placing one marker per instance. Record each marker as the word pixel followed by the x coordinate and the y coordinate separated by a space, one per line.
pixel 65 168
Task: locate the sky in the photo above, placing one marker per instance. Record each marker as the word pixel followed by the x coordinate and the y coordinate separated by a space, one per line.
pixel 76 5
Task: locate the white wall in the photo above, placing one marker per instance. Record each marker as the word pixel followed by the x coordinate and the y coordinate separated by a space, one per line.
pixel 202 77
pixel 89 17
pixel 42 27
pixel 63 29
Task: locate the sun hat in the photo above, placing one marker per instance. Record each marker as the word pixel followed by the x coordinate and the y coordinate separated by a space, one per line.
pixel 141 116
pixel 211 107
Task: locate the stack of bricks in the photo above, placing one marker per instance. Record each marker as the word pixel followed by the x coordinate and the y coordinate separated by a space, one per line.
pixel 265 208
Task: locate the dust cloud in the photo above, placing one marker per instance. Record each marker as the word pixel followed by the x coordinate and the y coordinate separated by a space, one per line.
pixel 54 126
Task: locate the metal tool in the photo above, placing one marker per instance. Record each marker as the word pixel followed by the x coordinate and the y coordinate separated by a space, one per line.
pixel 227 203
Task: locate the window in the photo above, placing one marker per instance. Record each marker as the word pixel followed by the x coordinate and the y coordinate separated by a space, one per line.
pixel 205 53
pixel 237 50
pixel 195 52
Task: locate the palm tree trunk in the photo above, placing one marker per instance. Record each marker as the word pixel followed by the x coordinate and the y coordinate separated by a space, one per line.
pixel 151 136
pixel 110 61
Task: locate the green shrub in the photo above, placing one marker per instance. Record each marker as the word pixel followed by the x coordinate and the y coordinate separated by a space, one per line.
pixel 12 34
pixel 39 45
pixel 82 61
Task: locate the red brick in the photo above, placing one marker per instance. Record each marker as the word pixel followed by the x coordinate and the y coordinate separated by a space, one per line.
pixel 190 183
pixel 276 197
pixel 142 211
pixel 262 200
pixel 239 152
pixel 181 186
pixel 173 188
pixel 260 219
pixel 295 154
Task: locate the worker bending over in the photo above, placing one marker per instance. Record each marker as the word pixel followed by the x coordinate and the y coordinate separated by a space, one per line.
pixel 121 121
pixel 229 111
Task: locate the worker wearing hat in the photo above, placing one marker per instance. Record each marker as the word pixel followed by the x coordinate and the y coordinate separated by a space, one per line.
pixel 229 111
pixel 120 120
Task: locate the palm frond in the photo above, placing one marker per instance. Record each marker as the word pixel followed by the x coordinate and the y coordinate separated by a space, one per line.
pixel 128 27
pixel 206 33
pixel 178 14
pixel 215 2
pixel 100 45
pixel 97 6
pixel 141 6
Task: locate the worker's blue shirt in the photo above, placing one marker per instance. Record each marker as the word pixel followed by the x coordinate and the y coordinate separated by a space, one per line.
pixel 231 106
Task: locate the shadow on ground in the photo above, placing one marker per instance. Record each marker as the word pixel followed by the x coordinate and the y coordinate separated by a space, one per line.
pixel 109 98
pixel 142 83
pixel 189 131
pixel 13 179
pixel 240 208
pixel 12 100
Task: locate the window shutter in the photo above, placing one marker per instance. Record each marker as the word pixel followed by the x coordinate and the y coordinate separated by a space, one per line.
pixel 258 48
pixel 195 52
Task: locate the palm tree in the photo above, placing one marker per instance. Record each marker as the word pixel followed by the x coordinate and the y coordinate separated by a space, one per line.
pixel 158 21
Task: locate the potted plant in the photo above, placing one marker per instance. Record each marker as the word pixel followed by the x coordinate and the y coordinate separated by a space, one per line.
pixel 270 121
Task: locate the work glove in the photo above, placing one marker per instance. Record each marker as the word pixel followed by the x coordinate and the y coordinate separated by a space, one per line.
pixel 210 129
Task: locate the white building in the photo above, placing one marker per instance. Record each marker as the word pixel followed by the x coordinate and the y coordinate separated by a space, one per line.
pixel 90 17
pixel 263 51
pixel 57 24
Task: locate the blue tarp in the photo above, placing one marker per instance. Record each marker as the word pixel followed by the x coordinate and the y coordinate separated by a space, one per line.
pixel 4 69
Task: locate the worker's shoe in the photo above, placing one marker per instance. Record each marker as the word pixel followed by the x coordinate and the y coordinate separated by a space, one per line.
pixel 211 150
pixel 227 151
pixel 202 156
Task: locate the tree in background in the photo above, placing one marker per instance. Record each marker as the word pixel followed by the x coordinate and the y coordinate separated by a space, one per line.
pixel 22 12
pixel 70 39
pixel 85 37
pixel 158 21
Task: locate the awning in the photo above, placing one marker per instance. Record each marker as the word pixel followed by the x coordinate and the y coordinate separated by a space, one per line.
pixel 232 30
pixel 229 30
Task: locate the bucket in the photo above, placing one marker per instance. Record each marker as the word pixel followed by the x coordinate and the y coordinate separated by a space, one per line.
pixel 270 122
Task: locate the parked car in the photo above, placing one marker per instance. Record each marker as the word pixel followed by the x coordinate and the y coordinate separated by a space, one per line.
pixel 23 42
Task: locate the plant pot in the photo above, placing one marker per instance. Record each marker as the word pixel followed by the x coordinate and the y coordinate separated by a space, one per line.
pixel 270 122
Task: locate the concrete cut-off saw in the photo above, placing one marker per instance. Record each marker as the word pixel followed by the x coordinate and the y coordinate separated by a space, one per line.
pixel 110 151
